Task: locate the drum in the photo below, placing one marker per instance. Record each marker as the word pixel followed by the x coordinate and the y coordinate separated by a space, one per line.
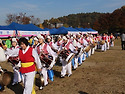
pixel 87 48
pixel 46 59
pixel 64 54
pixel 70 57
pixel 41 80
pixel 14 60
pixel 6 78
pixel 94 44
pixel 102 42
pixel 113 39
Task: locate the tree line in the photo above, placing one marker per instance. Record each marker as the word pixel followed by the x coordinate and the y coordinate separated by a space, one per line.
pixel 103 22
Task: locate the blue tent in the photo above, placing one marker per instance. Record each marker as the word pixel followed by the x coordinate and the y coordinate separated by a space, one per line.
pixel 81 29
pixel 27 30
pixel 62 30
pixel 46 29
pixel 90 30
pixel 72 29
pixel 53 31
pixel 27 27
pixel 5 28
pixel 5 31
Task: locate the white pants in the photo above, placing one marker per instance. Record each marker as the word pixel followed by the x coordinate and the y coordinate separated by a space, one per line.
pixel 17 76
pixel 93 51
pixel 108 45
pixel 45 76
pixel 76 62
pixel 96 47
pixel 104 47
pixel 112 43
pixel 81 58
pixel 84 55
pixel 28 80
pixel 89 53
pixel 66 68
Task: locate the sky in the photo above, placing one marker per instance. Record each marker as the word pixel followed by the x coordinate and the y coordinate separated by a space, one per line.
pixel 46 9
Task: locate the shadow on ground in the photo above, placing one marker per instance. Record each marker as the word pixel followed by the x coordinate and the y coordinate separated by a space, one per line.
pixel 18 89
pixel 81 92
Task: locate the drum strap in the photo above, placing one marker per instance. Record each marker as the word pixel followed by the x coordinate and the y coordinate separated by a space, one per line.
pixel 45 49
pixel 38 49
pixel 67 46
pixel 58 44
pixel 50 44
pixel 81 40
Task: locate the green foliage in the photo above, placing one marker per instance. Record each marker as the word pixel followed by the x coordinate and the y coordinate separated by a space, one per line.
pixel 76 20
pixel 103 22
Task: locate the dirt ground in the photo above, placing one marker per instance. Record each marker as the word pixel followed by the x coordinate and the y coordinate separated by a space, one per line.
pixel 102 73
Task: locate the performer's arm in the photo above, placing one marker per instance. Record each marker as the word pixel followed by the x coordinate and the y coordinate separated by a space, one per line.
pixel 55 46
pixel 72 48
pixel 51 52
pixel 37 59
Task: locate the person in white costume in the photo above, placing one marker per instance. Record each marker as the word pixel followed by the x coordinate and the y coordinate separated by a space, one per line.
pixel 91 42
pixel 104 46
pixel 13 52
pixel 46 50
pixel 2 53
pixel 88 39
pixel 66 67
pixel 77 45
pixel 53 46
pixel 36 43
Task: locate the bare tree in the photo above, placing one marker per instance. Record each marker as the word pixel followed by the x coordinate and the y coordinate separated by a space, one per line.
pixel 21 18
pixel 34 20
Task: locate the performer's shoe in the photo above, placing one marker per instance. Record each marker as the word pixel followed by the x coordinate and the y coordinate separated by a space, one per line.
pixel 40 88
pixel 46 84
pixel 74 68
pixel 80 64
pixel 69 75
pixel 83 60
pixel 62 76
pixel 14 83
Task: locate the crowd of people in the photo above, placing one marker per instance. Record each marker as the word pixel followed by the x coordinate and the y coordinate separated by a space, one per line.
pixel 40 53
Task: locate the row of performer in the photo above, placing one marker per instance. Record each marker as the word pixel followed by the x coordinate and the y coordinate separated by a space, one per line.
pixel 40 53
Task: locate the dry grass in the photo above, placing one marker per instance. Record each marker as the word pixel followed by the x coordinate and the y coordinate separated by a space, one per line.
pixel 102 73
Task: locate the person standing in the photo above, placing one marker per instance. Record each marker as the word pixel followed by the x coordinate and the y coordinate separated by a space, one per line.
pixel 36 43
pixel 123 40
pixel 45 51
pixel 29 61
pixel 104 46
pixel 66 67
pixel 12 55
pixel 112 38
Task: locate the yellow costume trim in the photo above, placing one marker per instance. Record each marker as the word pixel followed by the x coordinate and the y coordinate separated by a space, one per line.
pixel 33 90
pixel 28 64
